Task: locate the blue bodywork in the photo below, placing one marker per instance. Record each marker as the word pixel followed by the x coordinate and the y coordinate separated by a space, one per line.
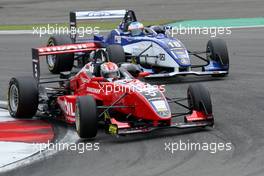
pixel 161 54
pixel 118 36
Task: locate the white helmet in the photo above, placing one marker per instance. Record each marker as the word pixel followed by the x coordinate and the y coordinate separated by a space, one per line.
pixel 109 70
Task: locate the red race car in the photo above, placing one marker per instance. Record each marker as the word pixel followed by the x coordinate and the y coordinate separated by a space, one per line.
pixel 102 92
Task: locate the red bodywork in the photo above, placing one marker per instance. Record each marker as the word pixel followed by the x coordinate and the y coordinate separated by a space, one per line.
pixel 130 96
pixel 107 93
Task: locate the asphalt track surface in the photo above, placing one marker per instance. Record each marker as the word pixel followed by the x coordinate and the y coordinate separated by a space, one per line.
pixel 237 99
pixel 238 109
pixel 57 11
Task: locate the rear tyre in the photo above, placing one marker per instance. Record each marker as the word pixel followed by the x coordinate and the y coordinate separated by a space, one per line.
pixel 216 50
pixel 60 62
pixel 199 99
pixel 86 117
pixel 23 97
pixel 116 53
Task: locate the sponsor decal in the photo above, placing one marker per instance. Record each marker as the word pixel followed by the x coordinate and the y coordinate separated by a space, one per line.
pixel 162 57
pixel 184 61
pixel 84 80
pixel 69 108
pixel 65 47
pixel 180 52
pixel 113 129
pixel 160 105
pixel 100 14
pixel 35 69
pixel 117 39
pixel 93 90
pixel 174 44
pixel 97 14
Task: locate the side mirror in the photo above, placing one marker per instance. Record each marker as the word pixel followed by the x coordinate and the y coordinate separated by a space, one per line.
pixel 133 69
pixel 98 79
pixel 168 27
pixel 143 74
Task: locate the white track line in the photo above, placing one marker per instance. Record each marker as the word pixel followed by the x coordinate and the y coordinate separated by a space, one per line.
pixel 5 116
pixel 17 154
pixel 15 32
pixel 12 152
pixel 3 104
pixel 70 137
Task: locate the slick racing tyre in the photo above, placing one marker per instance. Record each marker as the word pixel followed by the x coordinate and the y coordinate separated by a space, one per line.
pixel 216 50
pixel 60 62
pixel 199 99
pixel 23 97
pixel 116 53
pixel 86 117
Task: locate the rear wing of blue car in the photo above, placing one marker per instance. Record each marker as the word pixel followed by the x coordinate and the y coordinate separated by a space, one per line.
pixel 126 15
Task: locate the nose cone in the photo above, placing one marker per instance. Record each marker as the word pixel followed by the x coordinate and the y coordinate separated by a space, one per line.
pixel 179 53
pixel 161 108
pixel 181 56
pixel 156 101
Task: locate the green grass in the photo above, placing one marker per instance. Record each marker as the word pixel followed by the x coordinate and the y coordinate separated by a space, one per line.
pixel 226 22
pixel 102 25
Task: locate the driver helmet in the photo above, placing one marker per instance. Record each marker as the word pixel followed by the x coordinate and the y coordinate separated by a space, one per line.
pixel 109 70
pixel 136 28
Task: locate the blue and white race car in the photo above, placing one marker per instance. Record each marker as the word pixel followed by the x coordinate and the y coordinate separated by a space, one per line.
pixel 150 47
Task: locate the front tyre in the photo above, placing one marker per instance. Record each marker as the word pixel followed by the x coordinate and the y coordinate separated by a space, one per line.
pixel 23 97
pixel 86 117
pixel 216 50
pixel 199 99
